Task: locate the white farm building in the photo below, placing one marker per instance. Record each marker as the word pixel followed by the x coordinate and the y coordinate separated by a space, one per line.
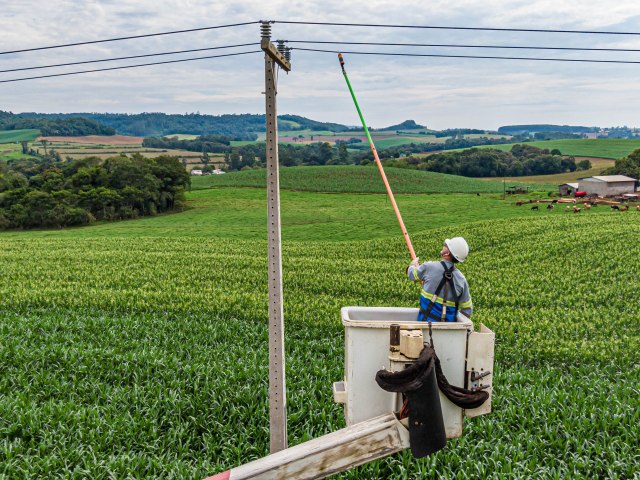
pixel 607 185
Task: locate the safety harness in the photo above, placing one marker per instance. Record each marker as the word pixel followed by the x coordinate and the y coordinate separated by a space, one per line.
pixel 446 283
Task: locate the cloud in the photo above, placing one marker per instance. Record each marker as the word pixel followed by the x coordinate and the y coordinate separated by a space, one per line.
pixel 440 92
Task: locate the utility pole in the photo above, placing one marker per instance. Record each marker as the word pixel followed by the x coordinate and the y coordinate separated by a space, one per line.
pixel 277 386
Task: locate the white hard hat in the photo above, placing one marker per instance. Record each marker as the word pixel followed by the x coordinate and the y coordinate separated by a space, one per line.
pixel 458 248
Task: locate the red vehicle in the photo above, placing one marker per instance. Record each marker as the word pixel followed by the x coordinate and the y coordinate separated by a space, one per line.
pixel 580 194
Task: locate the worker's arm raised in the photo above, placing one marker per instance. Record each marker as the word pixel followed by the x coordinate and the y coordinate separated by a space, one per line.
pixel 412 269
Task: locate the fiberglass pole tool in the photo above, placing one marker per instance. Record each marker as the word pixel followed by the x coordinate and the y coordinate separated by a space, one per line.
pixel 375 156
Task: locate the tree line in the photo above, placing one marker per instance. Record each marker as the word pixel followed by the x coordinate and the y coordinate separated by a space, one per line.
pixel 486 162
pixel 350 151
pixel 521 160
pixel 204 143
pixel 628 166
pixel 45 194
pixel 63 127
pixel 156 124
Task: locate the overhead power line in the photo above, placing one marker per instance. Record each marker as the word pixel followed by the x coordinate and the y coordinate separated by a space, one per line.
pixel 447 45
pixel 469 56
pixel 127 58
pixel 131 37
pixel 291 22
pixel 436 27
pixel 129 66
pixel 385 44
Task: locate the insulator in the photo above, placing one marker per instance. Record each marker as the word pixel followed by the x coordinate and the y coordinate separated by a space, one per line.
pixel 287 54
pixel 280 46
pixel 265 30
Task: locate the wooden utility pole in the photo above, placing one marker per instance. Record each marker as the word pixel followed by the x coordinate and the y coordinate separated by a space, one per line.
pixel 277 386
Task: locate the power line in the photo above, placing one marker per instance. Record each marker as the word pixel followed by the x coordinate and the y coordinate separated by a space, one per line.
pixel 469 56
pixel 126 58
pixel 446 45
pixel 129 37
pixel 129 66
pixel 435 27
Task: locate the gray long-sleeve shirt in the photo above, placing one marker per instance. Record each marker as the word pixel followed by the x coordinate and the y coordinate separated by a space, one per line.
pixel 430 273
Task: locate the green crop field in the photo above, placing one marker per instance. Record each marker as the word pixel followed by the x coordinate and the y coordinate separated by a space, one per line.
pixel 11 136
pixel 402 140
pixel 356 179
pixel 138 349
pixel 584 147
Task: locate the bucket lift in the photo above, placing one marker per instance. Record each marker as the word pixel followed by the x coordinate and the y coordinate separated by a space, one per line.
pixel 374 429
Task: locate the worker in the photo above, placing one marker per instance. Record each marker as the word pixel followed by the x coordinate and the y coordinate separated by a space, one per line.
pixel 443 282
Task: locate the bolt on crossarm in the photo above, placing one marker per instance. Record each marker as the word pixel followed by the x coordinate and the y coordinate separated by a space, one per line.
pixel 378 163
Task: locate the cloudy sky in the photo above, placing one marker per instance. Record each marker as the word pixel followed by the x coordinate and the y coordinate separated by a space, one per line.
pixel 437 92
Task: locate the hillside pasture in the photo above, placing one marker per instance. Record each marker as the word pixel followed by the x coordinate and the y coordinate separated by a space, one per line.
pixel 12 151
pixel 358 179
pixel 12 136
pixel 611 148
pixel 96 140
pixel 238 213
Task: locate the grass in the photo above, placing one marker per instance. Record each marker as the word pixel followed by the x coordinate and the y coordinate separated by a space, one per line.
pixel 402 140
pixel 238 213
pixel 612 148
pixel 355 179
pixel 12 151
pixel 12 136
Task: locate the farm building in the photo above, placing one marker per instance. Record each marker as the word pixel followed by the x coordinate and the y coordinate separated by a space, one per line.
pixel 567 188
pixel 608 185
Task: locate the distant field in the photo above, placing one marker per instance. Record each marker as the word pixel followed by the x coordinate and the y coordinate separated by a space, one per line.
pixel 612 148
pixel 182 136
pixel 481 135
pixel 98 139
pixel 11 136
pixel 396 141
pixel 108 146
pixel 382 139
pixel 598 164
pixel 12 151
pixel 306 133
pixel 354 179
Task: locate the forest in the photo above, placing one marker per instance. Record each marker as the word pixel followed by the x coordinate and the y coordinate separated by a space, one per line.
pixel 155 124
pixel 70 126
pixel 522 160
pixel 46 194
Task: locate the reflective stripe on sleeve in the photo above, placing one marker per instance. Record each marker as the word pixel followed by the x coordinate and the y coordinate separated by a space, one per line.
pixel 415 273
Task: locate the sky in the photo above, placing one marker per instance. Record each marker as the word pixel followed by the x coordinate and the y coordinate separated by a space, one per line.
pixel 437 92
